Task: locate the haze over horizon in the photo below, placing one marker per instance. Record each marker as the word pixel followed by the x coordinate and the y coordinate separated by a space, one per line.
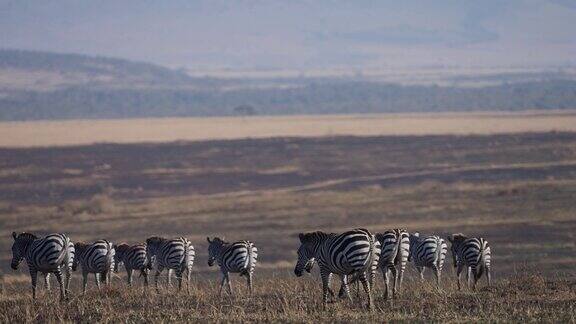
pixel 299 34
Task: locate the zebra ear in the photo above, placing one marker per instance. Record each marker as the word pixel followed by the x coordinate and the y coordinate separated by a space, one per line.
pixel 301 237
pixel 14 235
pixel 451 238
pixel 208 239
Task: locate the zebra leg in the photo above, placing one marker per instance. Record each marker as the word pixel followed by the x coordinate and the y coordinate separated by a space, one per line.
pixel 366 285
pixel 33 277
pixel 46 276
pixel 97 278
pixel 400 278
pixel 169 278
pixel 129 276
pixel 222 284
pixel 421 271
pixel 488 276
pixel 386 283
pixel 144 274
pixel 395 280
pixel 188 272
pixel 68 273
pixel 458 272
pixel 84 281
pixel 474 278
pixel 468 275
pixel 249 282
pixel 157 275
pixel 58 275
pixel 437 275
pixel 229 284
pixel 345 288
pixel 326 277
pixel 179 278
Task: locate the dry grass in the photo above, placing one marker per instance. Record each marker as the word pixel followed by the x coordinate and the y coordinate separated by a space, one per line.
pixel 286 299
pixel 510 189
pixel 80 132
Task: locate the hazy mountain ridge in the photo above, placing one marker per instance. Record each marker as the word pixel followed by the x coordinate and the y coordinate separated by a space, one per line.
pixel 76 69
pixel 70 86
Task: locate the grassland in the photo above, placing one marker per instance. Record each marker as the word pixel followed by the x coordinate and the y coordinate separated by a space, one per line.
pixel 516 190
pixel 154 130
pixel 524 298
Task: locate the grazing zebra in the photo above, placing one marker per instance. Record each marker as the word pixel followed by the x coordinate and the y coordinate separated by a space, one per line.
pixel 177 254
pixel 472 253
pixel 134 258
pixel 96 258
pixel 352 252
pixel 428 252
pixel 395 249
pixel 52 254
pixel 238 257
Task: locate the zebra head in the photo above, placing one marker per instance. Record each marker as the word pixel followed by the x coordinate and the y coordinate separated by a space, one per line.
pixel 414 239
pixel 309 244
pixel 79 249
pixel 456 241
pixel 19 247
pixel 152 246
pixel 214 249
pixel 121 250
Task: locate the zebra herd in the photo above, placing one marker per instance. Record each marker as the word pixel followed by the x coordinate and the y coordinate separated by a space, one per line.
pixel 355 256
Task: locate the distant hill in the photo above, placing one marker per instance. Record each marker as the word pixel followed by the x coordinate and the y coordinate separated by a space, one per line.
pixel 42 70
pixel 45 86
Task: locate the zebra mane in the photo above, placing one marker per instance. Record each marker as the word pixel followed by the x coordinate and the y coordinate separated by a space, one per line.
pixel 308 237
pixel 25 236
pixel 219 240
pixel 457 238
pixel 122 247
pixel 154 239
pixel 79 247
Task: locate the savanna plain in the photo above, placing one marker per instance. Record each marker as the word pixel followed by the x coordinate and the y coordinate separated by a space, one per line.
pixel 516 190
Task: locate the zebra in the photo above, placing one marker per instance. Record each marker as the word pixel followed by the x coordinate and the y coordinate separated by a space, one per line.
pixel 96 258
pixel 395 245
pixel 472 253
pixel 428 252
pixel 177 254
pixel 134 258
pixel 352 252
pixel 238 257
pixel 52 254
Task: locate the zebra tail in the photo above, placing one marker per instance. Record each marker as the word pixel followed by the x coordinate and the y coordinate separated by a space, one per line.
pixel 438 252
pixel 110 256
pixel 188 259
pixel 481 261
pixel 65 253
pixel 251 249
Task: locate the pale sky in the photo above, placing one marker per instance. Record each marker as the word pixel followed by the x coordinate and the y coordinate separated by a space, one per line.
pixel 298 34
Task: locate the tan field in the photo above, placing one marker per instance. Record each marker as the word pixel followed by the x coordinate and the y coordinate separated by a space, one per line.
pixel 82 132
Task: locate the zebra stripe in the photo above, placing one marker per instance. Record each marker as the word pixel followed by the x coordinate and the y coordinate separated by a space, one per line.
pixel 395 249
pixel 134 258
pixel 349 253
pixel 238 257
pixel 52 254
pixel 428 252
pixel 96 258
pixel 177 254
pixel 473 254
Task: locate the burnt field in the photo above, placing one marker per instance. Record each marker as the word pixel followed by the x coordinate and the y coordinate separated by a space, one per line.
pixel 518 191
